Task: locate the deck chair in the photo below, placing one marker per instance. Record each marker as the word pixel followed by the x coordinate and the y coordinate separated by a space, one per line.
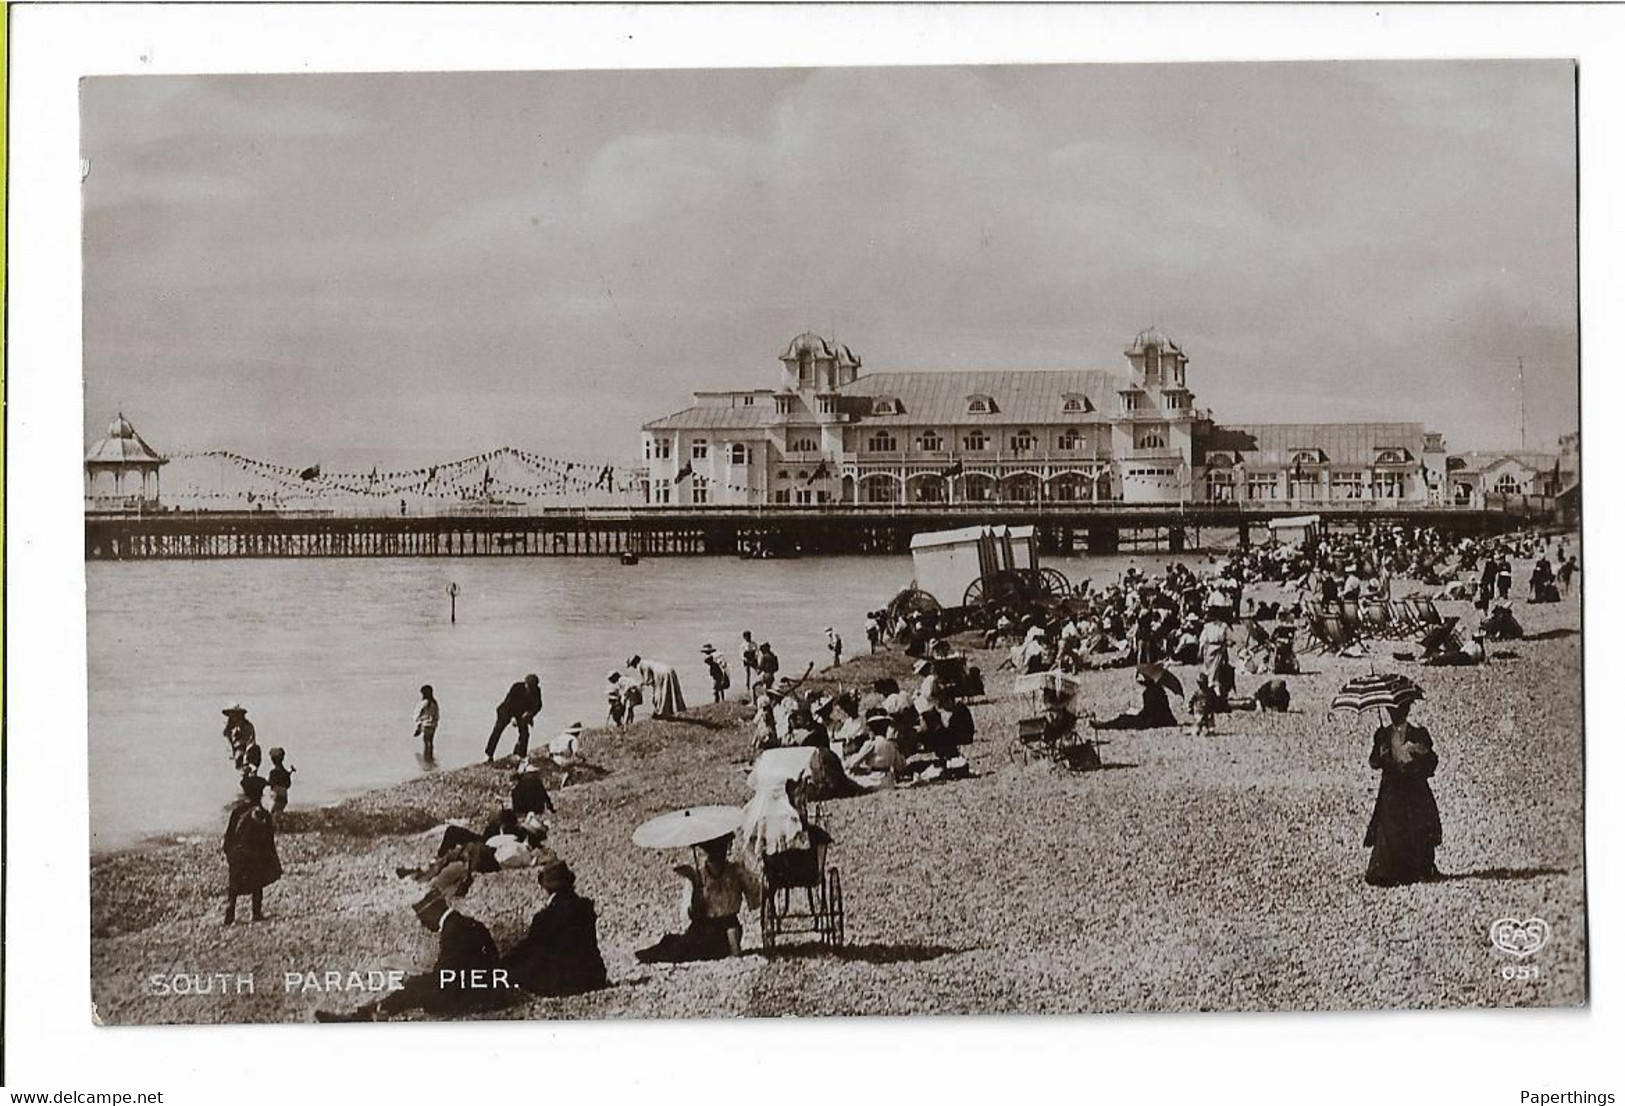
pixel 1426 613
pixel 1375 621
pixel 1402 619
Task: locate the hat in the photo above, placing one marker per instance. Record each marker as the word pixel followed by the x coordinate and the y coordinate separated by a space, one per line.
pixel 766 646
pixel 633 660
pixel 613 676
pixel 532 678
pixel 573 728
pixel 556 876
pixel 532 823
pixel 877 717
pixel 708 648
pixel 431 909
pixel 234 708
pixel 253 786
pixel 921 667
pixel 525 766
pixel 829 629
pixel 823 707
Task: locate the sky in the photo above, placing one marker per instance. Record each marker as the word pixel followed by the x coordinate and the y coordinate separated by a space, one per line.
pixel 407 268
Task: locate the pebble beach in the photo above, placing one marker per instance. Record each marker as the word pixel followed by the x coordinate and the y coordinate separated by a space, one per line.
pixel 1219 872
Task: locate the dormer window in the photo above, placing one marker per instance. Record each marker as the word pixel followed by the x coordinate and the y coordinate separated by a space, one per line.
pixel 885 405
pixel 978 405
pixel 1073 403
pixel 1306 457
pixel 1390 457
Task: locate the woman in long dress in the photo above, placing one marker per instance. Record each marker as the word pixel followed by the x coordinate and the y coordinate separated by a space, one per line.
pixel 665 692
pixel 250 847
pixel 1404 829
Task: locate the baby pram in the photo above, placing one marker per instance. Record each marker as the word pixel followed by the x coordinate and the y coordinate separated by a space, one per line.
pixel 1050 730
pixel 787 837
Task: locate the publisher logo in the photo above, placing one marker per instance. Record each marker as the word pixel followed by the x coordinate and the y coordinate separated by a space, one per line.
pixel 1520 938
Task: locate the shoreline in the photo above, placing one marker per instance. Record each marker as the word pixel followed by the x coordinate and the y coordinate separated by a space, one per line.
pixel 1215 872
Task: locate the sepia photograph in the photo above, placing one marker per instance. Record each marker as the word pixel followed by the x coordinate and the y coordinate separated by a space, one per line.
pixel 838 540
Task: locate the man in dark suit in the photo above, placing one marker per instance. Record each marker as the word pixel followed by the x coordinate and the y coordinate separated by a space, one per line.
pixel 559 956
pixel 522 705
pixel 467 973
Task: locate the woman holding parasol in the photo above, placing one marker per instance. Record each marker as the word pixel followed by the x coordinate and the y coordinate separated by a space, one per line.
pixel 716 887
pixel 1404 830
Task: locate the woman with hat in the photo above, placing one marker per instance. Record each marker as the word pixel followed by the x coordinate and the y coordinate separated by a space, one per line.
pixel 665 692
pixel 250 846
pixel 1154 711
pixel 880 753
pixel 1404 829
pixel 712 899
pixel 559 955
pixel 717 665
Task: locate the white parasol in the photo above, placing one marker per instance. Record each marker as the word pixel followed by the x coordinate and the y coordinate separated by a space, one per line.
pixel 690 826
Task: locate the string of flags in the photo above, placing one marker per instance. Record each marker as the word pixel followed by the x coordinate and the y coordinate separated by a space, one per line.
pixel 508 471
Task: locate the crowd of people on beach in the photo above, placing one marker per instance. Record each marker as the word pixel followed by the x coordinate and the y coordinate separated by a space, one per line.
pixel 816 743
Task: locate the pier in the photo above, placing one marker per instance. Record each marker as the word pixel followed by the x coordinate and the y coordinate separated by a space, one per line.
pixel 736 531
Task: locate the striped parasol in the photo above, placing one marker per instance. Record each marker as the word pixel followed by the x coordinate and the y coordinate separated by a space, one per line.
pixel 1387 689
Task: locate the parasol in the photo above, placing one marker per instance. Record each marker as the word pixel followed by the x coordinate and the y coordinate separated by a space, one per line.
pixel 1067 688
pixel 1156 674
pixel 1388 689
pixel 690 826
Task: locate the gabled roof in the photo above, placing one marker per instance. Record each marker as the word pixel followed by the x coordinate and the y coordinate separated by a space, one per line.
pixel 1482 460
pixel 1031 397
pixel 701 417
pixel 1346 444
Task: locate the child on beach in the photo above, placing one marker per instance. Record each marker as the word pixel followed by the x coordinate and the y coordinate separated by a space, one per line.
pixel 427 720
pixel 833 644
pixel 617 703
pixel 717 665
pixel 1202 704
pixel 281 778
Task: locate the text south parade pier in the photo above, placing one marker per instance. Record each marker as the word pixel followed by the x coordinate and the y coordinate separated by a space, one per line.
pixel 733 531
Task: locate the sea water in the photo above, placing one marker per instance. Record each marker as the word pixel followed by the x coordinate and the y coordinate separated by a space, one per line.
pixel 328 656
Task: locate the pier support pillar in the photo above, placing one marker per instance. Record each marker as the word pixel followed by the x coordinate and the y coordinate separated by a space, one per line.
pixel 1102 540
pixel 1176 539
pixel 1244 537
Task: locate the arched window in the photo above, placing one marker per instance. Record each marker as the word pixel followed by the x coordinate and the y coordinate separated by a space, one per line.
pixel 1151 439
pixel 885 405
pixel 1508 484
pixel 976 441
pixel 738 454
pixel 1023 441
pixel 1389 457
pixel 882 442
pixel 1073 403
pixel 930 441
pixel 1307 457
pixel 978 404
pixel 804 445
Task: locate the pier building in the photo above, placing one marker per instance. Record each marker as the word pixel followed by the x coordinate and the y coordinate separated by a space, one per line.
pixel 827 432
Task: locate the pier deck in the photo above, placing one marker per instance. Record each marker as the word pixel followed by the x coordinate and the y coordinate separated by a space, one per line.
pixel 724 531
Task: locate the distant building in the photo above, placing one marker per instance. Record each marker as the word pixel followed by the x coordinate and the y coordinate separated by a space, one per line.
pixel 1478 477
pixel 121 471
pixel 829 433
